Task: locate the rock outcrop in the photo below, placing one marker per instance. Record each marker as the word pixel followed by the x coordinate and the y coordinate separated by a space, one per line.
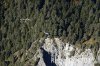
pixel 57 53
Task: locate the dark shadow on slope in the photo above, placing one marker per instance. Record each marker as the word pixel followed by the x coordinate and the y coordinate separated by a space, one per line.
pixel 40 6
pixel 93 1
pixel 47 58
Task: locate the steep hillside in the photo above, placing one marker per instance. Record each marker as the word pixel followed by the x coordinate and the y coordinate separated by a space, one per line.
pixel 23 22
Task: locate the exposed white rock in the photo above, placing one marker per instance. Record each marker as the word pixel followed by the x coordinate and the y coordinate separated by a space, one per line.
pixel 61 54
pixel 86 58
pixel 98 58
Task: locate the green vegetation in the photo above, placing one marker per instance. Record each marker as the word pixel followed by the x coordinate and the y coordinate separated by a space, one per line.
pixel 76 22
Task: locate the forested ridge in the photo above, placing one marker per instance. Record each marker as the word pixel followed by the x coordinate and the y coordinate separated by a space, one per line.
pixel 76 21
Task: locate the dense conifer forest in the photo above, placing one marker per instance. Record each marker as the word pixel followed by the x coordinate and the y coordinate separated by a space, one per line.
pixel 24 21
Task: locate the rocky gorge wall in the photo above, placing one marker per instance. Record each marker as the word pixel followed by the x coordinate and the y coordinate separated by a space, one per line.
pixel 65 54
pixel 54 52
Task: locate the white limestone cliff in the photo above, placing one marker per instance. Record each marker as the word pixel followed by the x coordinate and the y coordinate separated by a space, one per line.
pixel 65 54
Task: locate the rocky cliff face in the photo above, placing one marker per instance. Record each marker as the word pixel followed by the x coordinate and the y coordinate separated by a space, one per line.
pixel 55 52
